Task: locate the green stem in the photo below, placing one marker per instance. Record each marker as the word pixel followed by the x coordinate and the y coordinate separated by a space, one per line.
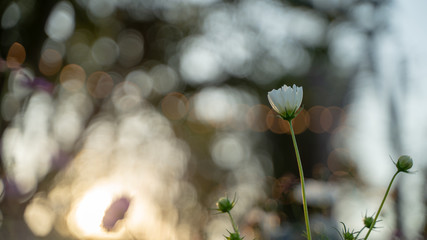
pixel 359 233
pixel 301 173
pixel 381 206
pixel 236 230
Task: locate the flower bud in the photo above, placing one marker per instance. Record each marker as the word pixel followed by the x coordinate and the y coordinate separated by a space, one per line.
pixel 234 236
pixel 349 236
pixel 404 163
pixel 346 234
pixel 225 205
pixel 368 221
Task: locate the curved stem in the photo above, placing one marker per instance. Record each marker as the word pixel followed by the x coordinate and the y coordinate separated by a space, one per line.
pixel 381 206
pixel 236 230
pixel 301 173
pixel 359 233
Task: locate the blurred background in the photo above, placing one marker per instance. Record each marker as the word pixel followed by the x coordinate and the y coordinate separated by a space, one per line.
pixel 129 119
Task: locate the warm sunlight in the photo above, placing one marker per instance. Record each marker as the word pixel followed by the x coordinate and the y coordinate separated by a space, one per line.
pixel 91 209
pixel 86 218
pixel 213 119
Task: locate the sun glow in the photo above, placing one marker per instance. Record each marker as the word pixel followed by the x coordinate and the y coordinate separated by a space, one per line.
pixel 90 211
pixel 86 218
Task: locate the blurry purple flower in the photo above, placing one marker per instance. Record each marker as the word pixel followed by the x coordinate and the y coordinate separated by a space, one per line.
pixel 40 83
pixel 115 212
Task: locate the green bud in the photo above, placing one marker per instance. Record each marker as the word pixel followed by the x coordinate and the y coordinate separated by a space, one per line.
pixel 225 205
pixel 368 221
pixel 404 163
pixel 234 236
pixel 348 236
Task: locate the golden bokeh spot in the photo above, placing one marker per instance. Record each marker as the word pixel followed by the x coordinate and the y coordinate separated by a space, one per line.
pixel 50 62
pixel 301 122
pixel 15 56
pixel 39 217
pixel 276 124
pixel 326 119
pixel 175 106
pixel 100 84
pixel 72 77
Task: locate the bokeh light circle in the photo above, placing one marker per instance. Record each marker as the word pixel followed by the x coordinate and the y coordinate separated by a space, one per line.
pixel 72 77
pixel 100 84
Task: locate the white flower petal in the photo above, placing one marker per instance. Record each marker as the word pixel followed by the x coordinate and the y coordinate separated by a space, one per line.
pixel 286 100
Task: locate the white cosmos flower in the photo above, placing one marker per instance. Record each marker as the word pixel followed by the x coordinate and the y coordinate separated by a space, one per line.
pixel 286 101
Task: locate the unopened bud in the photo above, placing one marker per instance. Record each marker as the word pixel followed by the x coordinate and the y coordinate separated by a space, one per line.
pixel 404 163
pixel 234 236
pixel 368 221
pixel 225 205
pixel 348 236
